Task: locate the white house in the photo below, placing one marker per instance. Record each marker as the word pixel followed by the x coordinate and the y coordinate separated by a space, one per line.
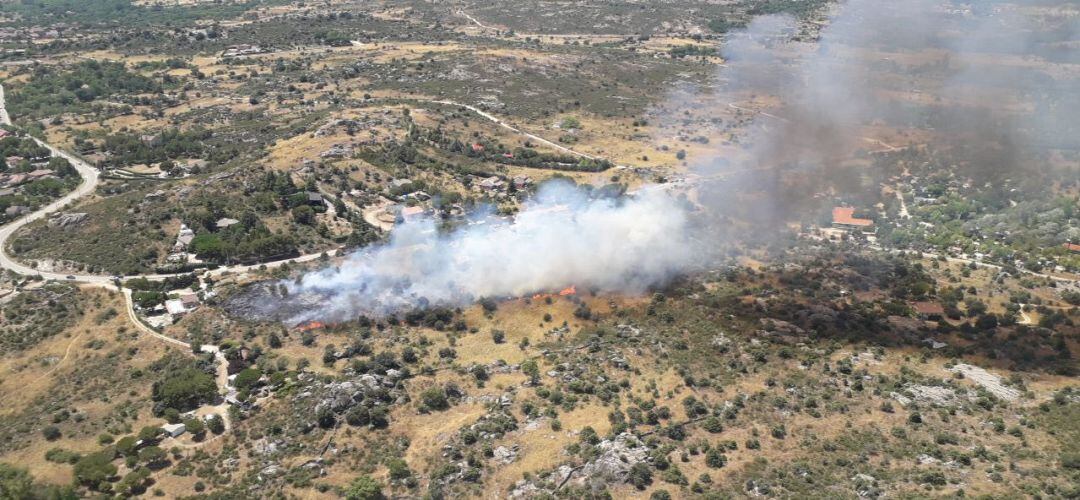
pixel 174 430
pixel 175 307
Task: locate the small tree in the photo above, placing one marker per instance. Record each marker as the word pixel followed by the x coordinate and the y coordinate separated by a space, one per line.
pixel 303 215
pixel 152 456
pixel 51 433
pixel 399 469
pixel 498 336
pixel 588 435
pixel 434 398
pixel 325 417
pixel 16 482
pixel 171 415
pixel 570 123
pixel 195 426
pixel 358 416
pixel 93 469
pixel 531 370
pixel 489 304
pixel 640 475
pixel 247 378
pixel 479 373
pixel 329 355
pixel 364 488
pixel 133 483
pixel 126 446
pixel 713 425
pixel 216 424
pixel 715 458
pixel 149 434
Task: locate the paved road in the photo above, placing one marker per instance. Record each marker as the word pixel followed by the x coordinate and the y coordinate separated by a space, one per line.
pixel 89 183
pixel 977 263
pixel 91 179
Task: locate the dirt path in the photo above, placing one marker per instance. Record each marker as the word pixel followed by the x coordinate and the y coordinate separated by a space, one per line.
pixel 507 126
pixel 478 23
pixel 67 353
pixel 904 214
pixel 4 118
pixel 130 306
pixel 1024 318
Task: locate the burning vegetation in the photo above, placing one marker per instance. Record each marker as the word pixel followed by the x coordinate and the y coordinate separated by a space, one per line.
pixel 623 244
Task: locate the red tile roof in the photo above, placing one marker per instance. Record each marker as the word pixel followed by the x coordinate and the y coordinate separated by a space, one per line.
pixel 928 308
pixel 844 215
pixel 412 212
pixel 1072 247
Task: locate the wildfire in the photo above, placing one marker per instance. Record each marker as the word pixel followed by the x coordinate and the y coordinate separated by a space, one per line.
pixel 309 326
pixel 570 290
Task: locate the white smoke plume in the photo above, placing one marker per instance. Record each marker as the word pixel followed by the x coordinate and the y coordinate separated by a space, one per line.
pixel 914 64
pixel 560 238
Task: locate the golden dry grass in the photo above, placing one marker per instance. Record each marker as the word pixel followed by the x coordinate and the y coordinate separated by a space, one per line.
pixel 22 383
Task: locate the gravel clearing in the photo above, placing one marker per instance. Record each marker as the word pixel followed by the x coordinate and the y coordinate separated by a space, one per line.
pixel 987 380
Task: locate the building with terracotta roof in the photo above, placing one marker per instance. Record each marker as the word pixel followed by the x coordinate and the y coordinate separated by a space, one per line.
pixel 929 310
pixel 844 218
pixel 412 213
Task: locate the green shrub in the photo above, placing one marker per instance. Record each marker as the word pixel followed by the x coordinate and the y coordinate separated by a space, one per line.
pixel 364 488
pixel 51 433
pixel 434 398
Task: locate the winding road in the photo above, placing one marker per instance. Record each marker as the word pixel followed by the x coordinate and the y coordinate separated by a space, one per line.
pixel 90 180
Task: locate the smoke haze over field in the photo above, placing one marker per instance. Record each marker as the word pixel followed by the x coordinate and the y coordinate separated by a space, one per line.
pixel 981 74
pixel 560 238
pixel 1002 74
pixel 991 85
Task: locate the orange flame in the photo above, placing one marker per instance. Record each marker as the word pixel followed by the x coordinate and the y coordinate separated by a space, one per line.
pixel 311 325
pixel 570 290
